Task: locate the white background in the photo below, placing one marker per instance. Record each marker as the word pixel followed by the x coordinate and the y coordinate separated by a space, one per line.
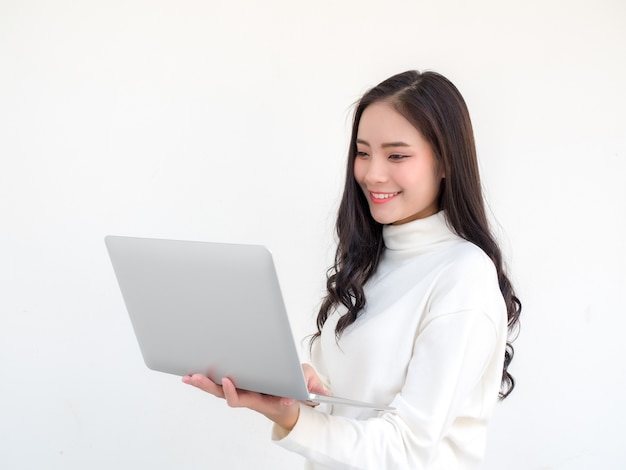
pixel 228 121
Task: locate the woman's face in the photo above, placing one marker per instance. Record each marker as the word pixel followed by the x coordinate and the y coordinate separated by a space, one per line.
pixel 395 167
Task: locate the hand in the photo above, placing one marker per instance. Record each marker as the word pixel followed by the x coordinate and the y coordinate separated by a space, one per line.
pixel 282 411
pixel 313 382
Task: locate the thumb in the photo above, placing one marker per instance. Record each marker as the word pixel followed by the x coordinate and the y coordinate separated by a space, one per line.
pixel 315 385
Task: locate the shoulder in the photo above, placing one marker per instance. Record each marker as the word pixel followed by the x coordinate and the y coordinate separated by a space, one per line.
pixel 467 280
pixel 466 262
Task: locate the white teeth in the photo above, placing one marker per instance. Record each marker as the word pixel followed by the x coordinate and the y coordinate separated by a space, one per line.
pixel 383 196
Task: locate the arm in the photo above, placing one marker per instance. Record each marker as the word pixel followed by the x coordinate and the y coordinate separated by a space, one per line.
pixel 283 412
pixel 449 358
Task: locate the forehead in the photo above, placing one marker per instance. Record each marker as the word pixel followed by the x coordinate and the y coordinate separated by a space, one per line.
pixel 381 122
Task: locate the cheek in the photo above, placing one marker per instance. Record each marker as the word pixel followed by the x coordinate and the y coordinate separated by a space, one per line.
pixel 358 170
pixel 432 193
pixel 424 184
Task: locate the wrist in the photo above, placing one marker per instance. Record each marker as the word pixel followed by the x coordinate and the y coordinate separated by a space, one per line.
pixel 288 419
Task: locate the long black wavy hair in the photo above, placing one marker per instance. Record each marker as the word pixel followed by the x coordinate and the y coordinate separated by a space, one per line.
pixel 436 108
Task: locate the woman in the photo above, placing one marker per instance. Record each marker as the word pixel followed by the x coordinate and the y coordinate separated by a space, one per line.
pixel 418 304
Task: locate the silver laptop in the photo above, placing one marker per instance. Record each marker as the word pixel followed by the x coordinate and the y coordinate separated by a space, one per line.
pixel 214 309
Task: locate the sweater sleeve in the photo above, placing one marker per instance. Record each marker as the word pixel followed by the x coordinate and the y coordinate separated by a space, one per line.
pixel 449 357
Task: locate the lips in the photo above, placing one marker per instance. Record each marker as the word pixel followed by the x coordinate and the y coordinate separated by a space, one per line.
pixel 381 198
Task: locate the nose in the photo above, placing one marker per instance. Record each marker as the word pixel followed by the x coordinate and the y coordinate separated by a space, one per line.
pixel 376 171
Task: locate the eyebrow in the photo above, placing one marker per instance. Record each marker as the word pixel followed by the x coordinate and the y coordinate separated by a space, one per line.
pixel 385 145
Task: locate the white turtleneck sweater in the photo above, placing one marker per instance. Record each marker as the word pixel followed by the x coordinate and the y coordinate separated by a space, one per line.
pixel 430 342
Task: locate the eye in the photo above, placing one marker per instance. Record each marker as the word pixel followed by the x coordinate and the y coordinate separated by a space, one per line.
pixel 397 156
pixel 361 154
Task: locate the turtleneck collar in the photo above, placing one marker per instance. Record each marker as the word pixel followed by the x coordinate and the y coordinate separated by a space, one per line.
pixel 419 235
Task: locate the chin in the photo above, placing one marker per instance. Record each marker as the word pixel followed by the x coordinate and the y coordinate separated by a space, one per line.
pixel 384 220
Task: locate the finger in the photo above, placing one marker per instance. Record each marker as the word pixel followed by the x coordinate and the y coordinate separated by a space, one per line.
pixel 205 384
pixel 318 389
pixel 231 394
pixel 313 382
pixel 315 386
pixel 238 398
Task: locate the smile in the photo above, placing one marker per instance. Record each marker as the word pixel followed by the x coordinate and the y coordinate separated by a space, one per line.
pixel 382 197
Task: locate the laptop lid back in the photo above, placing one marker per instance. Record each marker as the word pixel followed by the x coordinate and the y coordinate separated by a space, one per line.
pixel 209 308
